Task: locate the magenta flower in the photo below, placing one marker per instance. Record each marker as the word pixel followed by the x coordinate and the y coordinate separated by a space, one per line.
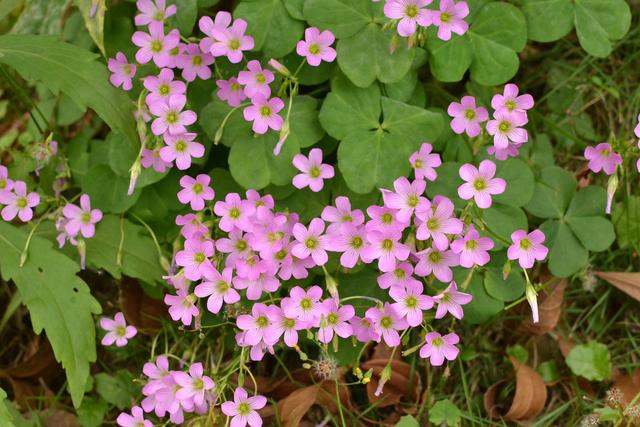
pixel 194 63
pixel 234 213
pixel 257 326
pixel 424 163
pixel 438 348
pixel 231 91
pixel 243 409
pixel 117 330
pixel 437 262
pixel 193 385
pixel 156 45
pixel 411 13
pixel 81 219
pixel 510 101
pixel 162 87
pixel 153 11
pixel 181 148
pixel 303 305
pixel 410 302
pixel 406 197
pixel 121 71
pixel 383 219
pixel 451 301
pixel 310 241
pixel 265 282
pixel 314 172
pixel 472 248
pixel 316 46
pixel 336 320
pixel 602 158
pixel 467 117
pixel 136 419
pixel 217 287
pixel 18 202
pixel 480 183
pixel 450 18
pixel 195 258
pixel 231 41
pixel 6 184
pixel 351 242
pixel 527 248
pixel 170 117
pixel 342 217
pixel 264 114
pixel 151 158
pixel 256 80
pixel 387 322
pixel 386 248
pixel 287 326
pixel 195 191
pixel 436 221
pixel 505 128
pixel 364 330
pixel 401 276
pixel 182 306
pixel 207 25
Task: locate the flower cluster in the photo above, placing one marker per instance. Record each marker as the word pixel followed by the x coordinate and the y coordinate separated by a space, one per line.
pixel 411 14
pixel 17 201
pixel 77 223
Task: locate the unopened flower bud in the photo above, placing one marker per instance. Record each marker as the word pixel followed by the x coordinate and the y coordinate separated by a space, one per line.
pixel 82 251
pixel 393 44
pixel 506 270
pixel 385 376
pixel 332 286
pixel 135 173
pixel 284 134
pixel 532 299
pixel 279 68
pixel 612 186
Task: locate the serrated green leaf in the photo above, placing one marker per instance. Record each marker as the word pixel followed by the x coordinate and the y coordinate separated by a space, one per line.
pixel 598 23
pixel 444 412
pixel 591 361
pixel 548 20
pixel 343 17
pixel 553 193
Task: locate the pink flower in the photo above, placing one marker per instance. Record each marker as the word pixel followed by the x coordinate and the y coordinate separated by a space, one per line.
pixel 336 320
pixel 207 25
pixel 136 419
pixel 472 248
pixel 410 13
pixel 181 306
pixel 217 287
pixel 602 158
pixel 194 63
pixel 234 213
pixel 81 219
pixel 383 219
pixel 117 330
pixel 153 11
pixel 151 158
pixel 364 330
pixel 257 326
pixel 181 148
pixel 386 248
pixel 351 242
pixel 195 258
pixel 450 18
pixel 287 326
pixel 265 282
pixel 256 80
pixel 437 262
pixel 18 202
pixel 243 409
pixel 310 241
pixel 527 248
pixel 387 322
pixel 6 184
pixel 451 301
pixel 121 71
pixel 162 87
pixel 341 217
pixel 231 41
pixel 512 150
pixel 316 46
pixel 401 276
pixel 264 113
pixel 155 45
pixel 436 221
pixel 510 101
pixel 425 162
pixel 195 191
pixel 303 305
pixel 231 91
pixel 438 348
pixel 170 117
pixel 480 183
pixel 193 385
pixel 410 302
pixel 314 172
pixel 466 116
pixel 406 197
pixel 505 128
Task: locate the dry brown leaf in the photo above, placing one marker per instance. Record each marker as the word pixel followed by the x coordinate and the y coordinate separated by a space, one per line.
pixel 59 418
pixel 629 385
pixel 140 309
pixel 293 407
pixel 493 410
pixel 629 283
pixel 549 310
pixel 531 393
pixel 566 345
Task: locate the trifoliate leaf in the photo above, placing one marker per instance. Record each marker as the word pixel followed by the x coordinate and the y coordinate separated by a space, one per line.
pixel 504 290
pixel 566 253
pixel 548 20
pixel 591 361
pixel 483 306
pixel 342 17
pixel 445 412
pixel 553 193
pixel 520 182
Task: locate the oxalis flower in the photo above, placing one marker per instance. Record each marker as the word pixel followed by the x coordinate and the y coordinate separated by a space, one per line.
pixel 480 183
pixel 511 101
pixel 411 13
pixel 181 148
pixel 450 18
pixel 81 219
pixel 153 11
pixel 231 41
pixel 231 91
pixel 335 319
pixel 193 385
pixel 136 419
pixel 438 348
pixel 264 113
pixel 467 117
pixel 18 202
pixel 195 191
pixel 316 47
pixel 117 330
pixel 155 45
pixel 602 158
pixel 472 248
pixel 314 172
pixel 169 116
pixel 505 128
pixel 256 80
pixel 122 71
pixel 424 162
pixel 527 248
pixel 243 409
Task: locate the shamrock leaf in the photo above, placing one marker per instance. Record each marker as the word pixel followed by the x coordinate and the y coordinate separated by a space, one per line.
pixel 591 361
pixel 445 412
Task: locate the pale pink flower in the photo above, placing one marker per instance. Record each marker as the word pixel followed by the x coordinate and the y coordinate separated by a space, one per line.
pixel 410 302
pixel 387 322
pixel 81 219
pixel 231 41
pixel 287 327
pixel 512 150
pixel 182 306
pixel 351 241
pixel 437 262
pixel 256 80
pixel 451 301
pixel 207 25
pixel 467 117
pixel 162 87
pixel 386 248
pixel 136 419
pixel 411 13
pixel 6 184
pixel 314 172
pixel 510 101
pixel 401 276
pixel 342 217
pixel 151 158
pixel 334 319
pixel 472 248
pixel 406 198
pixel 243 409
pixel 195 191
pixel 218 288
pixel 264 113
pixel 194 63
pixel 602 158
pixel 310 241
pixel 170 117
pixel 450 18
pixel 364 330
pixel 153 11
pixel 257 326
pixel 117 330
pixel 383 219
pixel 436 221
pixel 155 45
pixel 424 163
pixel 527 248
pixel 303 305
pixel 234 213
pixel 231 91
pixel 194 385
pixel 480 183
pixel 505 128
pixel 181 148
pixel 195 258
pixel 316 46
pixel 265 282
pixel 438 348
pixel 121 71
pixel 18 202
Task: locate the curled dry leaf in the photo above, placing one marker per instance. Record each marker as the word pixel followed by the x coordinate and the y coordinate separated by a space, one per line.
pixel 549 309
pixel 629 385
pixel 629 283
pixel 293 407
pixel 140 309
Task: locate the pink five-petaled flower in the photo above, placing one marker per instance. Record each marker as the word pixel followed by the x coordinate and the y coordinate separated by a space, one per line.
pixel 406 198
pixel 234 213
pixel 314 172
pixel 602 158
pixel 438 348
pixel 195 258
pixel 310 241
pixel 117 330
pixel 411 13
pixel 121 71
pixel 425 162
pixel 170 117
pixel 195 191
pixel 436 221
pixel 182 306
pixel 231 91
pixel 505 128
pixel 151 158
pixel 303 305
pixel 257 326
pixel 243 409
pixel 231 41
pixel 386 248
pixel 256 80
pixel 81 219
pixel 451 301
pixel 342 217
pixel 480 183
pixel 472 248
pixel 316 46
pixel 387 322
pixel 6 184
pixel 466 116
pixel 181 148
pixel 352 242
pixel 153 11
pixel 450 18
pixel 162 86
pixel 194 385
pixel 510 101
pixel 436 262
pixel 156 45
pixel 221 22
pixel 18 202
pixel 264 113
pixel 527 248
pixel 336 320
pixel 218 288
pixel 136 419
pixel 410 302
pixel 194 63
pixel 401 276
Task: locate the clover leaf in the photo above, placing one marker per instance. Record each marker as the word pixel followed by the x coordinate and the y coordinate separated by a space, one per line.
pixel 591 361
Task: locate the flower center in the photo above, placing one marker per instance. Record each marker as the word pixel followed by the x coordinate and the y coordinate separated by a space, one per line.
pixel 386 322
pixel 471 244
pixel 127 69
pixel 311 243
pixel 181 146
pixel 234 213
pixel 3 184
pixel 222 286
pixel 605 153
pixel 469 114
pixel 243 408
pixel 198 384
pixel 175 51
pixel 86 217
pixel 386 218
pixel 281 254
pixel 241 245
pixel 314 172
pixel 418 164
pixel 413 200
pixel 197 188
pixel 172 117
pixel 510 104
pixel 235 87
pixel 437 342
pixel 265 111
pixel 411 302
pixel 387 244
pixel 21 203
pixel 435 257
pixel 305 303
pixel 504 127
pixel 399 273
pixel 234 44
pixel 445 17
pixel 332 319
pixel 196 60
pixel 164 89
pixel 411 11
pixel 289 323
pixel 314 48
pixel 525 244
pixel 347 218
pixel 156 46
pixel 260 78
pixel 121 331
pixel 262 321
pixel 479 184
pixel 432 224
pixel 356 242
pixel 199 257
pixel 159 15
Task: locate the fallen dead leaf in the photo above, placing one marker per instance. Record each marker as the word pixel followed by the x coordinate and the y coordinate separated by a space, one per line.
pixel 629 283
pixel 59 418
pixel 550 310
pixel 629 385
pixel 566 345
pixel 293 407
pixel 140 309
pixel 490 406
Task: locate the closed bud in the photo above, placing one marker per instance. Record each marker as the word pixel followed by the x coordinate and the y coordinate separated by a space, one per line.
pixel 532 299
pixel 279 68
pixel 135 173
pixel 612 186
pixel 82 251
pixel 385 376
pixel 506 270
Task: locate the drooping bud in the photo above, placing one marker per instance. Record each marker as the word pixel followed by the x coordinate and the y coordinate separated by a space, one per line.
pixel 135 173
pixel 385 376
pixel 532 299
pixel 284 134
pixel 612 186
pixel 82 251
pixel 279 68
pixel 506 270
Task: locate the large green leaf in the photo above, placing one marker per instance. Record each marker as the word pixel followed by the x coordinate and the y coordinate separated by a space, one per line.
pixel 548 20
pixel 41 17
pixel 520 182
pixel 566 253
pixel 58 301
pixel 74 71
pixel 553 193
pixel 107 190
pixel 483 306
pixel 343 17
pixel 591 361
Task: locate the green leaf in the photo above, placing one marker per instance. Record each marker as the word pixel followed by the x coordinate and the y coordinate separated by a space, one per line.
pixel 93 12
pixel 112 197
pixel 6 418
pixel 445 412
pixel 223 183
pixel 41 17
pixel 548 371
pixel 504 290
pixel 449 59
pixel 186 16
pixel 118 389
pixel 343 17
pixel 483 306
pixel 447 183
pixel 295 8
pixel 566 253
pixel 503 220
pixel 58 301
pixel 403 89
pixel 591 361
pixel 548 20
pixel 274 31
pixel 553 193
pixel 520 182
pixel 595 233
pixel 590 201
pixel 598 23
pixel 305 203
pixel 74 71
pixel 305 126
pixel 92 411
pixel 626 219
pixel 408 421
